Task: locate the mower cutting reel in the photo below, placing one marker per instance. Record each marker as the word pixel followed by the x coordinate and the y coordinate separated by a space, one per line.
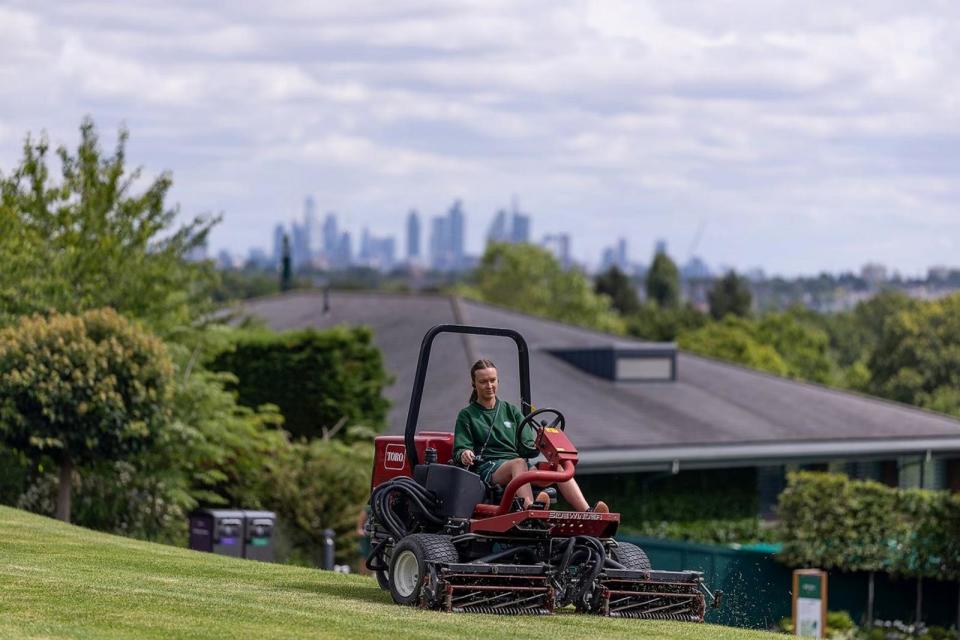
pixel 441 539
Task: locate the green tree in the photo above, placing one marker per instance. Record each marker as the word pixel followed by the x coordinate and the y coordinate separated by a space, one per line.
pixel 663 282
pixel 734 340
pixel 917 356
pixel 90 239
pixel 80 389
pixel 529 279
pixel 730 294
pixel 651 322
pixel 615 284
pixel 804 349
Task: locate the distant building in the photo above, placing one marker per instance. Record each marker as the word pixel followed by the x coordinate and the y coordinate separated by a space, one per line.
pixel 873 274
pixel 512 227
pixel 615 256
pixel 314 241
pixel 376 252
pixel 559 245
pixel 277 254
pixel 695 269
pixel 660 247
pixel 447 240
pixel 520 233
pixel 413 236
pixel 499 231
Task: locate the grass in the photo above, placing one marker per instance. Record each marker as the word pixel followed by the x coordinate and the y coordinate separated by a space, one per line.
pixel 62 581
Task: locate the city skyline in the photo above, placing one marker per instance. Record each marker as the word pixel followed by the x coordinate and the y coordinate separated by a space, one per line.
pixel 793 137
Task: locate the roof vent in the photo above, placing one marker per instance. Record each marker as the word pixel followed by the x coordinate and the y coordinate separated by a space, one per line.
pixel 627 362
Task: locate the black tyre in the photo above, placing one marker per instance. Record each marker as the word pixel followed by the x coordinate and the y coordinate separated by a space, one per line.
pixel 631 556
pixel 408 564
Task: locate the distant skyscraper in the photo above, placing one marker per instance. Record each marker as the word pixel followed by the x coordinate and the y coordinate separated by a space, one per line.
pixel 413 236
pixel 661 247
pixel 440 254
pixel 559 245
pixel 301 246
pixel 521 228
pixel 312 227
pixel 331 236
pixel 456 234
pixel 278 234
pixel 498 228
pixel 622 261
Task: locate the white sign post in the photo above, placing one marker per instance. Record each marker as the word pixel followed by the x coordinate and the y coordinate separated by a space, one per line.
pixel 810 603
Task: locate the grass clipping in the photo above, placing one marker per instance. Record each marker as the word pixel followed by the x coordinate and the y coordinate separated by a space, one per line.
pixel 62 581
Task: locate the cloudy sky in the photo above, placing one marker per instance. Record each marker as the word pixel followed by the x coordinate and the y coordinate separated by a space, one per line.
pixel 797 136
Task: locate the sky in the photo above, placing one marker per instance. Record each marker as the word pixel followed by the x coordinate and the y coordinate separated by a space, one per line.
pixel 798 137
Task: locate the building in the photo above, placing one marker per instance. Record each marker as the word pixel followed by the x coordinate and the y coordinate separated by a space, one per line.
pixel 447 240
pixel 559 245
pixel 640 407
pixel 413 236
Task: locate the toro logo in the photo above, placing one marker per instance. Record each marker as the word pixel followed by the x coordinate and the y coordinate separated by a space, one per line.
pixel 395 456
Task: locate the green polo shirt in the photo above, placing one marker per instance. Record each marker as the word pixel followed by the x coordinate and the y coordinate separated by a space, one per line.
pixel 475 422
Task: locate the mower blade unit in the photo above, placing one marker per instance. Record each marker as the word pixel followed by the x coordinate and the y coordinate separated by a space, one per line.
pixel 496 588
pixel 652 595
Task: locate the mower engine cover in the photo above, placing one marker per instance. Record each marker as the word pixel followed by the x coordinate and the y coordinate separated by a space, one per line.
pixel 390 454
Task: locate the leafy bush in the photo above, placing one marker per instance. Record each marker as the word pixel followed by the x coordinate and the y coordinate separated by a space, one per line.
pixel 320 380
pixel 82 389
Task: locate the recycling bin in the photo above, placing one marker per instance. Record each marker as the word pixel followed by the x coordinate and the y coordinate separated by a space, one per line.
pixel 219 531
pixel 258 527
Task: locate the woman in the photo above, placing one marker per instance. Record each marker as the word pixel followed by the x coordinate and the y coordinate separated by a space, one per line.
pixel 485 438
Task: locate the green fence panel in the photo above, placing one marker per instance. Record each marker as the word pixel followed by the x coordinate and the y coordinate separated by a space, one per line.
pixel 756 588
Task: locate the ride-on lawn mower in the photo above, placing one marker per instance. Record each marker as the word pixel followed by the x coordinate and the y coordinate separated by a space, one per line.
pixel 442 539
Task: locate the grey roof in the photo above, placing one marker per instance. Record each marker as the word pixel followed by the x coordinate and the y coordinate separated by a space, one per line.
pixel 714 414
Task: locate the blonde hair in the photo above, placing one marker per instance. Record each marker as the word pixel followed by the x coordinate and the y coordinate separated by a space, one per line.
pixel 482 363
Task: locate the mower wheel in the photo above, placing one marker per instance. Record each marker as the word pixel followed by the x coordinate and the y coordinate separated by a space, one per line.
pixel 408 564
pixel 631 556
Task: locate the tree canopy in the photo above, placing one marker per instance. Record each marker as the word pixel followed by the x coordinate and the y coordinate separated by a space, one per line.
pixel 730 295
pixel 617 286
pixel 530 279
pixel 80 389
pixel 92 237
pixel 663 282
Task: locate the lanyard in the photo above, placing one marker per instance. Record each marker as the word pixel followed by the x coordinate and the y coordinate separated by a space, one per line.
pixel 496 414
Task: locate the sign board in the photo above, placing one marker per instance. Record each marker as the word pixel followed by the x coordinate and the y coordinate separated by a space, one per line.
pixel 810 603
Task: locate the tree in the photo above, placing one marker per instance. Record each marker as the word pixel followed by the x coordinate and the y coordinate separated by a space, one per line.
pixel 663 282
pixel 733 339
pixel 88 240
pixel 650 322
pixel 529 279
pixel 803 348
pixel 617 286
pixel 80 389
pixel 730 294
pixel 917 357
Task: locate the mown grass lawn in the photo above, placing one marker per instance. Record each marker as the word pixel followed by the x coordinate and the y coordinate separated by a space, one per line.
pixel 61 581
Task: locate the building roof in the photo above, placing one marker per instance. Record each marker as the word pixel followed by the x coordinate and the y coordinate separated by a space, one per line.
pixel 714 414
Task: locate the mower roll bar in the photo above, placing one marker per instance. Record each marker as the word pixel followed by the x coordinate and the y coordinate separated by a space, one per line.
pixel 413 413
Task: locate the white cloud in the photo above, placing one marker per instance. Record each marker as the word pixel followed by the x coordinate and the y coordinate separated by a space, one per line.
pixel 645 116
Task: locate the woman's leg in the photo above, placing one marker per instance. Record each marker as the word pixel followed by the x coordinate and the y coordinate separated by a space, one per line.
pixel 510 470
pixel 571 492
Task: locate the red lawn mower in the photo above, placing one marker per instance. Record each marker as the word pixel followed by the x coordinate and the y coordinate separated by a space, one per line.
pixel 443 539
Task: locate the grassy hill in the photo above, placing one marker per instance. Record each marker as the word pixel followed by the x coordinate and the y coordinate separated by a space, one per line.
pixel 61 581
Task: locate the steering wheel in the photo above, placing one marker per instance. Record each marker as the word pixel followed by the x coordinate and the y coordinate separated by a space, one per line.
pixel 559 422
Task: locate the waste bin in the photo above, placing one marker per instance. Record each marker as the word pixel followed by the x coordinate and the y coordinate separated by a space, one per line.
pixel 258 529
pixel 218 531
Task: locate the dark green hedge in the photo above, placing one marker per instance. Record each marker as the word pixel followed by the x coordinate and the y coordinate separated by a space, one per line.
pixel 831 522
pixel 319 379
